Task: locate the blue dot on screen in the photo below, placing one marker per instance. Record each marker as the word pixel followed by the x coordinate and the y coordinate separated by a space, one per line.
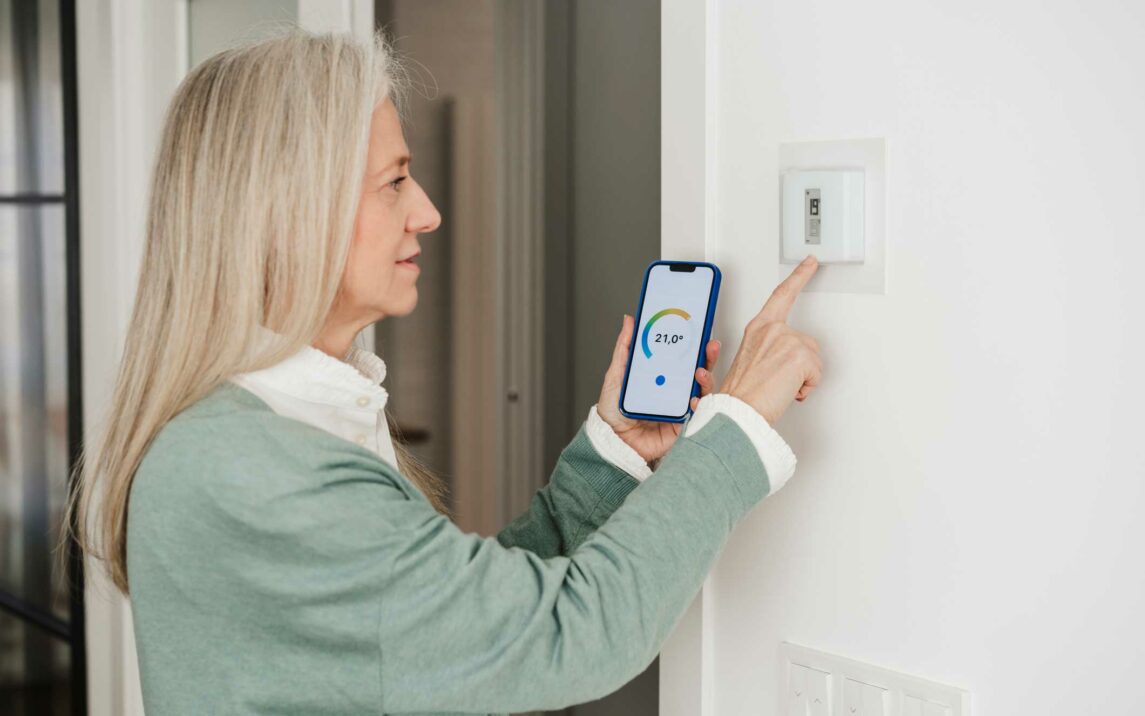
pixel 659 380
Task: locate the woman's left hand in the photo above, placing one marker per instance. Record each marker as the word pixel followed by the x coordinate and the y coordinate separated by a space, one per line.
pixel 650 438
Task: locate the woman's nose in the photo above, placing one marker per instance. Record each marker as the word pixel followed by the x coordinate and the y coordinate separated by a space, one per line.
pixel 425 217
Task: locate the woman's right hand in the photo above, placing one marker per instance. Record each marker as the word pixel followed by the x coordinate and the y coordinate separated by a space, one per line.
pixel 775 363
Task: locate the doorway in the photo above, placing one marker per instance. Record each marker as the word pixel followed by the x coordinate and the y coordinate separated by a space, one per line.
pixel 535 128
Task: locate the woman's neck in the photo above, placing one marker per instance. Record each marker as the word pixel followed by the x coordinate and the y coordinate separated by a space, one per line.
pixel 336 340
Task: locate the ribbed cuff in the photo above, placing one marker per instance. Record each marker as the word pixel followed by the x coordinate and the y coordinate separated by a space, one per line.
pixel 605 478
pixel 775 454
pixel 612 448
pixel 722 438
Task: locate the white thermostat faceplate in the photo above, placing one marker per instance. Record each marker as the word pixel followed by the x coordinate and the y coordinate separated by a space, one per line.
pixel 823 215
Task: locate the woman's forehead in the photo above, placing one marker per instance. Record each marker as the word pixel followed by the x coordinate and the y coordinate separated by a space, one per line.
pixel 387 142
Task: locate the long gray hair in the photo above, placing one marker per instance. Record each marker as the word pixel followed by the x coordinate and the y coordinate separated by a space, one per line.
pixel 252 208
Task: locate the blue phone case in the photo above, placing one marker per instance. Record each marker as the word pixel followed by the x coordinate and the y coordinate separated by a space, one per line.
pixel 708 320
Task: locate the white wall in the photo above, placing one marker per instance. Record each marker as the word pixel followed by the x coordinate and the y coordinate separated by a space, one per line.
pixel 967 502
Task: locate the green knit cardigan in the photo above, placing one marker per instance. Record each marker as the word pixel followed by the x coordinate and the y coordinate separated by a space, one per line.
pixel 276 568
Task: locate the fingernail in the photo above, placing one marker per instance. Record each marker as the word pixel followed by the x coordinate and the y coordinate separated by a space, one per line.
pixel 808 259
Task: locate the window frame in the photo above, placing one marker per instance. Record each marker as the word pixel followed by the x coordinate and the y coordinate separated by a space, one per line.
pixel 72 631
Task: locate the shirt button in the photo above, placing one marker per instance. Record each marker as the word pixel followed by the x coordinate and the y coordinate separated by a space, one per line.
pixel 363 401
pixel 360 439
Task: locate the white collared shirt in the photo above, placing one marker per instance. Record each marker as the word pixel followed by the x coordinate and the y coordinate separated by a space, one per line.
pixel 346 398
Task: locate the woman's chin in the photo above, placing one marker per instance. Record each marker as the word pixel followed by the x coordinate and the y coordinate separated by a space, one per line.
pixel 403 308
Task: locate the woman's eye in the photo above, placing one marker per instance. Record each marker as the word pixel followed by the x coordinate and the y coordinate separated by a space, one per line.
pixel 394 184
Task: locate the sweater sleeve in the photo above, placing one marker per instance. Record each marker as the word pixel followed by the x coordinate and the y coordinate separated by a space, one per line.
pixel 584 489
pixel 775 454
pixel 469 625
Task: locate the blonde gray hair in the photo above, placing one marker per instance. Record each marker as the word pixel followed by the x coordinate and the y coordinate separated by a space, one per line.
pixel 252 208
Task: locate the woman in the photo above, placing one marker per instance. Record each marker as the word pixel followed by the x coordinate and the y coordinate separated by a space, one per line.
pixel 285 554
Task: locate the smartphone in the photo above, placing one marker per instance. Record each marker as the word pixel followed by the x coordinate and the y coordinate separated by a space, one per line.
pixel 673 323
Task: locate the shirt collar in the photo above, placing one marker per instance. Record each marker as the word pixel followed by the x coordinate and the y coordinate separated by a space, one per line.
pixel 313 375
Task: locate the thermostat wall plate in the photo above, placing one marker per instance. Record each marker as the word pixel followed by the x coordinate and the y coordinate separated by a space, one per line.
pixel 831 204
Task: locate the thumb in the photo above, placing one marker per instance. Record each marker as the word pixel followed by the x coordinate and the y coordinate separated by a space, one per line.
pixel 623 341
pixel 625 338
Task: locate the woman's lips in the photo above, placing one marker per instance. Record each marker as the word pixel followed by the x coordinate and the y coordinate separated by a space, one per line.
pixel 409 263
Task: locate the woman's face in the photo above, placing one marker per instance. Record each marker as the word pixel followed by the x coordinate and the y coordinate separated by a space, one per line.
pixel 379 280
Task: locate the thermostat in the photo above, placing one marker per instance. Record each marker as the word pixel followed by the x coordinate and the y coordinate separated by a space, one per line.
pixel 822 215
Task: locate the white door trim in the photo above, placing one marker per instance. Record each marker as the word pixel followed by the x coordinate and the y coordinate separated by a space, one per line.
pixel 688 194
pixel 355 16
pixel 130 56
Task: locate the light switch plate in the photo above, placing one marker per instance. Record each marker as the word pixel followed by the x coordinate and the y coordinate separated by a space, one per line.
pixel 822 215
pixel 854 688
pixel 867 156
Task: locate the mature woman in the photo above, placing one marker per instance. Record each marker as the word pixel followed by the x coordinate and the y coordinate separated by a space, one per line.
pixel 285 555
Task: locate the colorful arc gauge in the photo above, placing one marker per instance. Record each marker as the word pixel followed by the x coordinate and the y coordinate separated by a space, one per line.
pixel 658 316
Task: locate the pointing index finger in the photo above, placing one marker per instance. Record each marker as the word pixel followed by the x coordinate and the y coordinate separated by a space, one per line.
pixel 779 304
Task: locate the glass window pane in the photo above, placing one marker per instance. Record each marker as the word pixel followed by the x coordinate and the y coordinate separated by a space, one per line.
pixel 34 671
pixel 33 403
pixel 31 98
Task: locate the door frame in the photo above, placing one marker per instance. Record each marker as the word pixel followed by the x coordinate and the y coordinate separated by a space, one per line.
pixel 131 55
pixel 688 203
pixel 520 264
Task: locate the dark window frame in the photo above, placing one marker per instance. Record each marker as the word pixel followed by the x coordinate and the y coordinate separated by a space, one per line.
pixel 72 630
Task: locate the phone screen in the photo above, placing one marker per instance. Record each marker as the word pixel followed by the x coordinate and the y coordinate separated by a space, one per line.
pixel 666 346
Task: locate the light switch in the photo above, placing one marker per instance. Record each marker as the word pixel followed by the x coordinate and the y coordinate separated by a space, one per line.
pixel 808 692
pixel 823 215
pixel 912 706
pixel 819 693
pixel 797 690
pixel 861 699
pixel 915 706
